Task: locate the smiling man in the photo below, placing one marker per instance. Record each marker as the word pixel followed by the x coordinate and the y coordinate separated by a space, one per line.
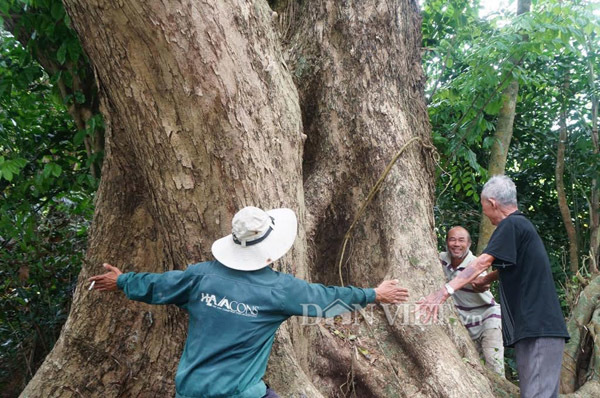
pixel 478 311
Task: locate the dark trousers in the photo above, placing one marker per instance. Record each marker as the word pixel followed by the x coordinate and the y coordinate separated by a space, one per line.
pixel 270 394
pixel 538 362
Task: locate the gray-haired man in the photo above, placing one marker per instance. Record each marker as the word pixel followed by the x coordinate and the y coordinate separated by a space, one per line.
pixel 532 321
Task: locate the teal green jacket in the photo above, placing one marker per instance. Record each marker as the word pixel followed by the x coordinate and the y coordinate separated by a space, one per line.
pixel 233 317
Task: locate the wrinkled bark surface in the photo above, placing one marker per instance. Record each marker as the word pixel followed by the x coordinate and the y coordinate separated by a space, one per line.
pixel 360 83
pixel 203 118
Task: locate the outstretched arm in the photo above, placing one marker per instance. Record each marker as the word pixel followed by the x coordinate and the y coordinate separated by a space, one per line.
pixel 313 299
pixel 429 306
pixel 171 287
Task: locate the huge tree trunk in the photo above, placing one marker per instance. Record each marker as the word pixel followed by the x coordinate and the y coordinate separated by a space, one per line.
pixel 204 118
pixel 502 138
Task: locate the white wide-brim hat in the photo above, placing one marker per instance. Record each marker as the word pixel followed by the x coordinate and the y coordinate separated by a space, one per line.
pixel 258 238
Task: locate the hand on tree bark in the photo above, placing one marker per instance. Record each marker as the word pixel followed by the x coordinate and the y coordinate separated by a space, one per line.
pixel 388 292
pixel 429 306
pixel 106 282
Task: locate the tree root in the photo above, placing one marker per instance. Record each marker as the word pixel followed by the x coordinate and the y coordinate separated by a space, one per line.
pixel 581 359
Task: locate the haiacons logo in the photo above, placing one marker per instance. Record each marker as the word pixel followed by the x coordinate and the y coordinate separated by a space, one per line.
pixel 233 306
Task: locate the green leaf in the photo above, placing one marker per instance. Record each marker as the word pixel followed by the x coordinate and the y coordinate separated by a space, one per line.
pixel 488 142
pixel 80 136
pixel 74 50
pixel 56 170
pixel 79 97
pixel 494 106
pixel 6 174
pixel 57 10
pixel 67 20
pixel 61 54
pixel 20 162
pixel 47 170
pixel 472 158
pixel 4 7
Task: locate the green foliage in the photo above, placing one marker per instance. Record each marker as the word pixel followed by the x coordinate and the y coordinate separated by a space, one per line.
pixel 46 205
pixel 469 62
pixel 38 269
pixel 43 28
pixel 543 97
pixel 51 35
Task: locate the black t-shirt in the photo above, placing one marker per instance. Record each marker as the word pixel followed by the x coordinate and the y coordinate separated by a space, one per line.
pixel 530 306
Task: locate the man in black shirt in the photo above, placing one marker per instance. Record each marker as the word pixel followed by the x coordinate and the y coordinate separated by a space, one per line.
pixel 532 321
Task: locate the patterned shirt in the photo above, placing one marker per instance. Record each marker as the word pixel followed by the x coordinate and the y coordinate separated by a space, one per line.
pixel 477 311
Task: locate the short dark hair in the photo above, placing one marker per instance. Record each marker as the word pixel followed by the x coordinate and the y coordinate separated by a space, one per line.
pixel 459 226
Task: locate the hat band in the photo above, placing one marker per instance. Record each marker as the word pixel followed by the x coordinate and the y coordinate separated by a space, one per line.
pixel 255 241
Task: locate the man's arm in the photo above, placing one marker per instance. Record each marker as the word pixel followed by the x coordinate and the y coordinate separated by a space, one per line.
pixel 482 283
pixel 313 299
pixel 430 304
pixel 172 287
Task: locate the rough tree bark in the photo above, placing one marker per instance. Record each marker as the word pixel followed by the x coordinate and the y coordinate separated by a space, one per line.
pixel 359 80
pixel 502 138
pixel 581 359
pixel 595 188
pixel 203 117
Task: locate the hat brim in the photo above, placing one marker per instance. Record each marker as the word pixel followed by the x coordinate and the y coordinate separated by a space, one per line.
pixel 254 257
